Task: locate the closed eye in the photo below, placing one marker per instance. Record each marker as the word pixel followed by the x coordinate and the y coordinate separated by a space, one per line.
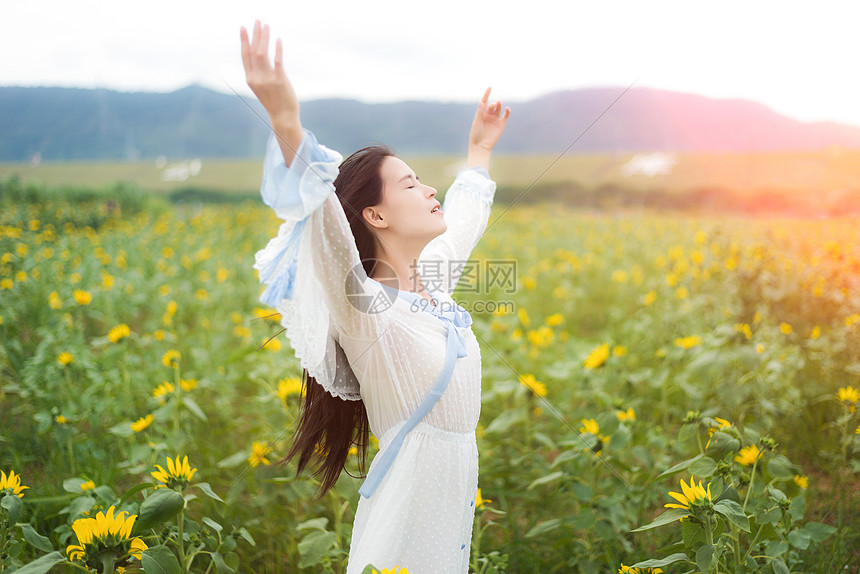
pixel 410 178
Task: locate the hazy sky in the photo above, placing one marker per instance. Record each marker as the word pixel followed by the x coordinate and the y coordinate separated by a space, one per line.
pixel 799 58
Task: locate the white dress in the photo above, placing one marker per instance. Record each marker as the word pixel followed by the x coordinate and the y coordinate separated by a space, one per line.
pixel 420 516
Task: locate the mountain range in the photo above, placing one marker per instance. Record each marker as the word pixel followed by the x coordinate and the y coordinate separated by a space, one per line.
pixel 74 124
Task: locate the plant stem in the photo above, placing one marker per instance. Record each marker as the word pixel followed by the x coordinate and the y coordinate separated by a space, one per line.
pixel 181 541
pixel 750 486
pixel 752 543
pixel 177 412
pixel 71 454
pixel 107 563
pixel 3 540
pixel 709 536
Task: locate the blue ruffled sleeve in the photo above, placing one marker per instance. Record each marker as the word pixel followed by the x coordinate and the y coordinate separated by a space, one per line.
pixel 293 197
pixel 281 188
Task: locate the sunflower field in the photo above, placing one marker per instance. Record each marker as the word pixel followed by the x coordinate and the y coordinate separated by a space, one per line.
pixel 661 393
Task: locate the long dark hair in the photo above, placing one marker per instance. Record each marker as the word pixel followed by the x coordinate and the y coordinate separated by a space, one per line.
pixel 328 426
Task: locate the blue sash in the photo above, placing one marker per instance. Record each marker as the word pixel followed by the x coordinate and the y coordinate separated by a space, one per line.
pixel 456 348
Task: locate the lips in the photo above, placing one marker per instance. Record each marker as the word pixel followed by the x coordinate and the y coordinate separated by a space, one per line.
pixel 436 209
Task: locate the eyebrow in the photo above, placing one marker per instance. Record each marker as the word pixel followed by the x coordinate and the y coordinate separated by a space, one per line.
pixel 408 176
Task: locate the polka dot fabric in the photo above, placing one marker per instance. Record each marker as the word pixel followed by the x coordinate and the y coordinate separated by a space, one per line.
pixel 421 516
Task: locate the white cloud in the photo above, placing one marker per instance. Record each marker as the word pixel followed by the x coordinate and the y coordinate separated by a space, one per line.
pixel 788 56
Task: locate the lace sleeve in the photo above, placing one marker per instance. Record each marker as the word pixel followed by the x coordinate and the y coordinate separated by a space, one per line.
pixel 312 268
pixel 466 210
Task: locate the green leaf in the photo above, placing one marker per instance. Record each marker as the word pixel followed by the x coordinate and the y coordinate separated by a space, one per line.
pixel 73 485
pixel 159 560
pixel 106 494
pixel 233 460
pixel 582 491
pixel 220 566
pixel 232 560
pixel 734 513
pixel 704 557
pixel 781 468
pixel 692 533
pixel 13 506
pixel 797 508
pixel 15 549
pixel 207 490
pixel 35 539
pixel 667 517
pixel 314 546
pixel 543 527
pixel 584 519
pixel 721 444
pixel 545 479
pixel 681 466
pixel 545 440
pixel 729 494
pixel 369 569
pixel 212 524
pixel 655 563
pixel 132 491
pixel 776 493
pixel 317 523
pixel 799 539
pixel 80 505
pixel 769 516
pixel 779 566
pixel 503 423
pixel 193 407
pixel 243 532
pixel 704 467
pixel 122 429
pixel 565 456
pixel 817 531
pixel 42 565
pixel 776 548
pixel 159 507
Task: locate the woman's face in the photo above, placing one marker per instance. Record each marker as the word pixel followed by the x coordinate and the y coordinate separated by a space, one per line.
pixel 407 204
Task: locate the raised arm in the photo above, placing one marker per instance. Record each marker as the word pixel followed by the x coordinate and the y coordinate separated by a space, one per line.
pixel 487 128
pixel 270 84
pixel 307 265
pixel 467 202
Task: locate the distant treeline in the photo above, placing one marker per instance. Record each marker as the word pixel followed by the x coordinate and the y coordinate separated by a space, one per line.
pixel 612 196
pixel 128 199
pixel 73 124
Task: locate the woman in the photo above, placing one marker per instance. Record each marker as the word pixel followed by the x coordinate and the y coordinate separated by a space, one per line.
pixel 381 349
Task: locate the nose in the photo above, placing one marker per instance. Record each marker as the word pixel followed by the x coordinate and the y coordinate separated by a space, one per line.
pixel 432 190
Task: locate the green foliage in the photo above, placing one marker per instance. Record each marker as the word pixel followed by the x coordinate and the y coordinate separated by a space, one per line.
pixel 691 313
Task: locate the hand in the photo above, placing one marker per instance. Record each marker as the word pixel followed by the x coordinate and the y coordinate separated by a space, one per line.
pixel 488 125
pixel 272 87
pixel 269 83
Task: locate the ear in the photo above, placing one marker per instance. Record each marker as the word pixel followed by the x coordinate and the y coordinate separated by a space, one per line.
pixel 374 218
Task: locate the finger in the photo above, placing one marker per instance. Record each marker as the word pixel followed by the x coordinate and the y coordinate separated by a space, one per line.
pixel 497 108
pixel 486 97
pixel 279 55
pixel 255 40
pixel 264 42
pixel 507 113
pixel 243 37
